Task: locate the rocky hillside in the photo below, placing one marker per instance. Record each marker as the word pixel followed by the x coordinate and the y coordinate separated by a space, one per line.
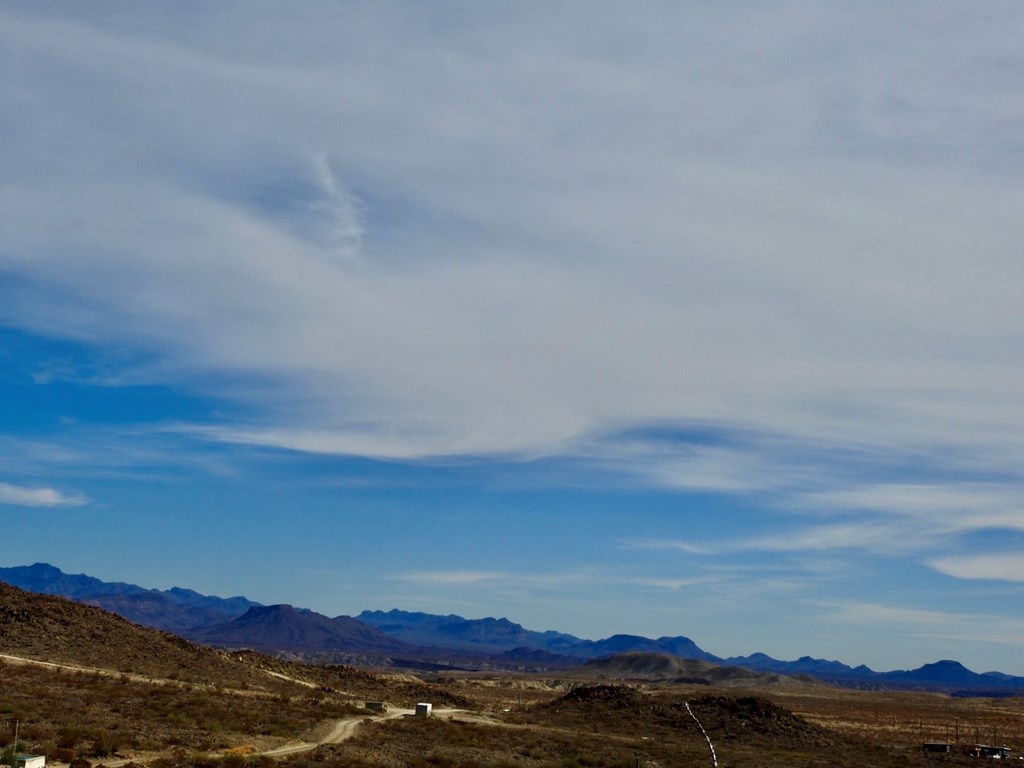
pixel 175 610
pixel 59 633
pixel 54 629
pixel 665 668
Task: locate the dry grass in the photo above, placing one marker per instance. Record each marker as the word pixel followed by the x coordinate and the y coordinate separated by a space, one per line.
pixel 176 704
pixel 95 715
pixel 908 718
pixel 534 723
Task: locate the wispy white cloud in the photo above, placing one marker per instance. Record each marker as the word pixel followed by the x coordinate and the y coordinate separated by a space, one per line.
pixel 876 536
pixel 875 613
pixel 471 311
pixel 671 585
pixel 452 577
pixel 669 544
pixel 958 626
pixel 890 519
pixel 976 504
pixel 913 516
pixel 504 578
pixel 999 566
pixel 585 578
pixel 803 483
pixel 22 496
pixel 386 232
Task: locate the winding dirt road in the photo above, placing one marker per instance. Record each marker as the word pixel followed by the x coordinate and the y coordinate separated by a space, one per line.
pixel 342 730
pixel 346 728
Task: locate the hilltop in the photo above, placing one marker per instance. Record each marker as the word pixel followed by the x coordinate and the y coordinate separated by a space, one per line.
pixel 176 610
pixel 283 628
pixel 59 633
pixel 85 682
pixel 55 629
pixel 665 668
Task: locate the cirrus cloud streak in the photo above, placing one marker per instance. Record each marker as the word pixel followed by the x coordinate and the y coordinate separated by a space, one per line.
pixel 23 496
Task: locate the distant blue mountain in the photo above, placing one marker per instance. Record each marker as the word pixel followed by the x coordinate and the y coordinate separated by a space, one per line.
pixel 284 628
pixel 230 621
pixel 489 635
pixel 174 610
pixel 945 676
pixel 832 671
pixel 499 636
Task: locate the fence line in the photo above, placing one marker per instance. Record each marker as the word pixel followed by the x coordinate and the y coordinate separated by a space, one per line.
pixel 714 758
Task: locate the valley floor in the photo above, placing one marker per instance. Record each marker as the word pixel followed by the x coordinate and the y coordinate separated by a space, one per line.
pixel 307 715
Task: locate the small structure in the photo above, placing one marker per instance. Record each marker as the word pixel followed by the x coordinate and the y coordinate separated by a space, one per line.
pixel 423 709
pixel 31 761
pixel 937 746
pixel 376 706
pixel 989 751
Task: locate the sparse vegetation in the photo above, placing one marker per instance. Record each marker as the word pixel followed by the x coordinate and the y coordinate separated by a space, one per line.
pixel 97 716
pixel 85 719
pixel 224 710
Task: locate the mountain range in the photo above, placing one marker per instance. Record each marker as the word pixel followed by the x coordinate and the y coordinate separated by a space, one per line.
pixel 409 639
pixel 174 610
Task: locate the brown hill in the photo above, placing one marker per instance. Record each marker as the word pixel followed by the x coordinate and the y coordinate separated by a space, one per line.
pixel 238 704
pixel 665 668
pixel 283 628
pixel 649 667
pixel 57 630
pixel 174 610
pixel 85 683
pixel 148 610
pixel 753 721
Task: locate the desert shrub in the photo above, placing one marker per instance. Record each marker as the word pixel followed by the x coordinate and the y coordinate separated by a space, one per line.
pixel 203 760
pixel 233 761
pixel 104 744
pixel 35 731
pixel 69 736
pixel 432 760
pixel 61 754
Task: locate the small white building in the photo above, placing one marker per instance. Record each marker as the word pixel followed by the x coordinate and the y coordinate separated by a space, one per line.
pixel 31 761
pixel 423 709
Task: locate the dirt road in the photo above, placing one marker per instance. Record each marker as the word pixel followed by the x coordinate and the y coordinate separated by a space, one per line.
pixel 343 729
pixel 346 728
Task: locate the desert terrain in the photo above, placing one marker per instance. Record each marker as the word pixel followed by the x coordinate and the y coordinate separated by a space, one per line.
pixel 87 688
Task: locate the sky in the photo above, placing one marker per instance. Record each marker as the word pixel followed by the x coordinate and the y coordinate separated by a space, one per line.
pixel 687 318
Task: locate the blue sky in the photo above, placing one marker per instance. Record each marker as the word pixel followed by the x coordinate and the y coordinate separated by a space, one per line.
pixel 676 318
